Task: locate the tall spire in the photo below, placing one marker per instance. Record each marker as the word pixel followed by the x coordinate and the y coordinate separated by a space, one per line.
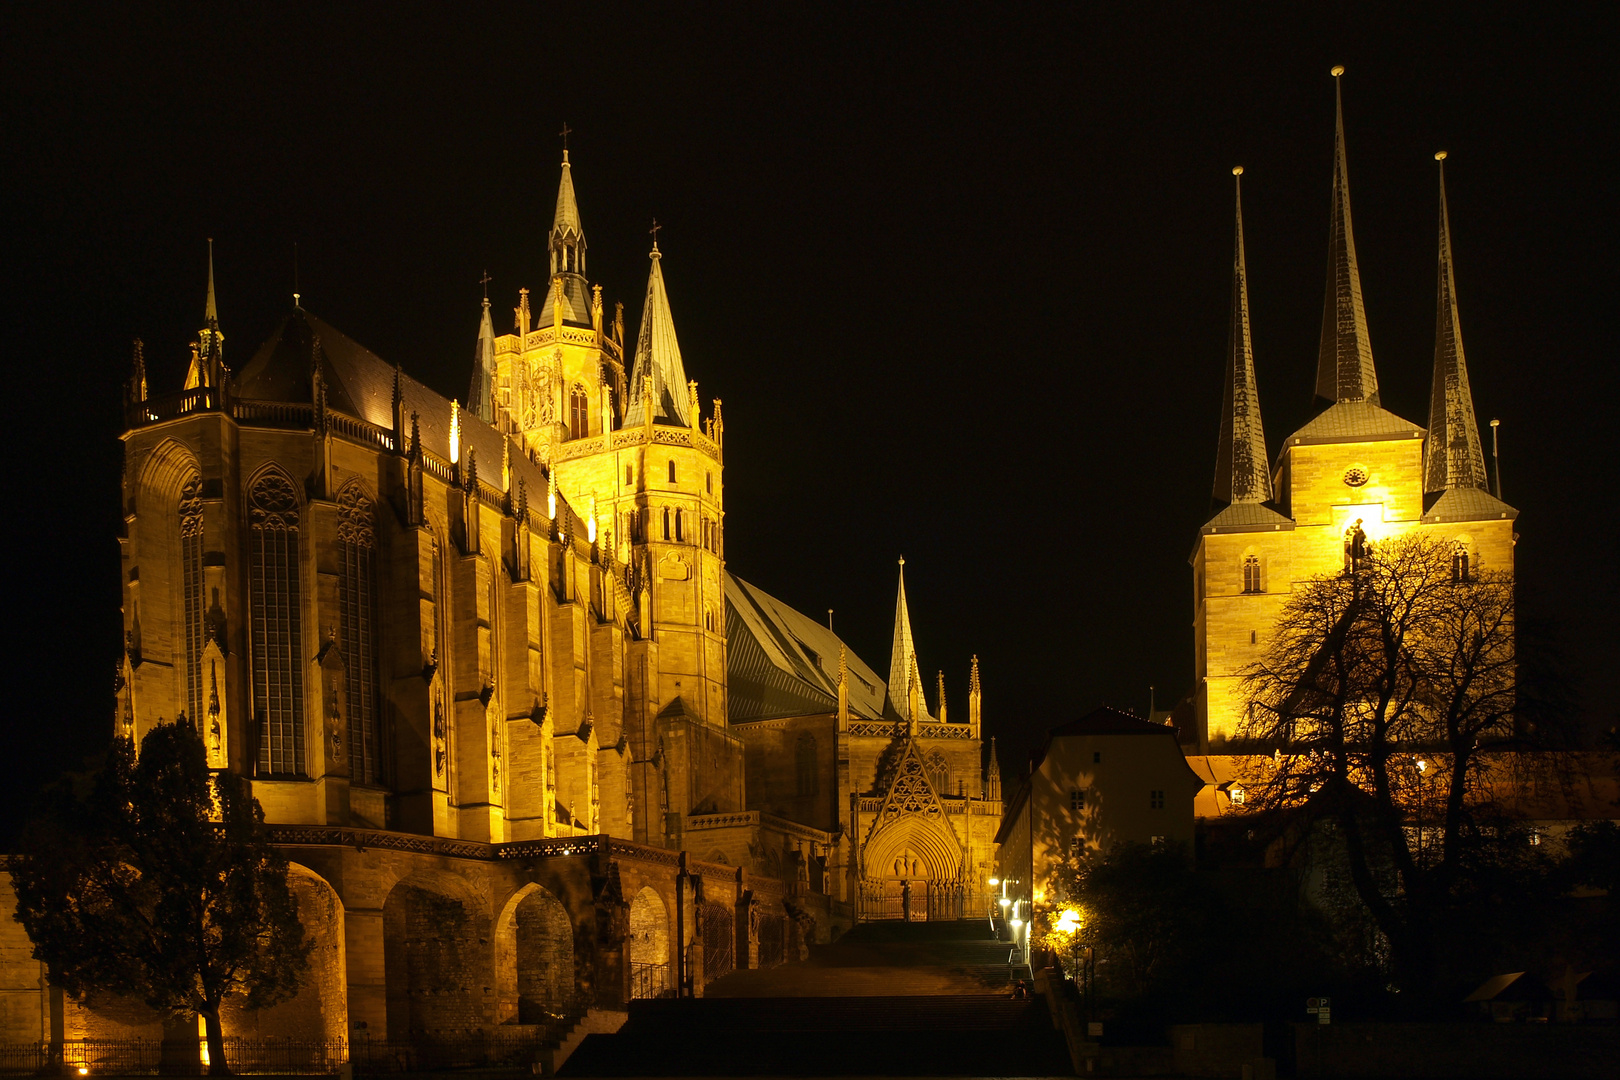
pixel 903 656
pixel 658 357
pixel 1344 367
pixel 567 247
pixel 207 364
pixel 1452 457
pixel 480 396
pixel 1241 471
pixel 210 310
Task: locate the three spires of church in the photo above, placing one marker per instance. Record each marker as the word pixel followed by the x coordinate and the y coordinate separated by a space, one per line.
pixel 1345 370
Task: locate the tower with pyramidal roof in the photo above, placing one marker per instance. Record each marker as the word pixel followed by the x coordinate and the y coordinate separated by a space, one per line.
pixel 1355 471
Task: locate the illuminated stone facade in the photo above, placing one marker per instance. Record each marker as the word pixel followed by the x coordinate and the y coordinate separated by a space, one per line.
pixel 1355 473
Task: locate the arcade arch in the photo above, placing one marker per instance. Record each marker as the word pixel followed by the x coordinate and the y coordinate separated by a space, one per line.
pixel 534 957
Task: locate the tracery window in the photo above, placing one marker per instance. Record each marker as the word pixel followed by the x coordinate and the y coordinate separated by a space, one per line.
pixel 939 772
pixel 276 624
pixel 579 413
pixel 357 599
pixel 191 591
pixel 804 764
pixel 1251 574
pixel 1461 569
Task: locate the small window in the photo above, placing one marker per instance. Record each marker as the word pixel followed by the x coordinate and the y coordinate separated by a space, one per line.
pixel 579 407
pixel 672 470
pixel 1251 574
pixel 708 482
pixel 629 475
pixel 1156 800
pixel 1077 800
pixel 679 537
pixel 1254 637
pixel 1096 757
pixel 1460 569
pixel 666 523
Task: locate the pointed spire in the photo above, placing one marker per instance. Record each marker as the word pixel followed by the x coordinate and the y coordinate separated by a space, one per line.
pixel 658 357
pixel 1242 474
pixel 992 774
pixel 975 705
pixel 903 656
pixel 137 374
pixel 206 367
pixel 1344 367
pixel 480 396
pixel 210 309
pixel 941 699
pixel 1452 457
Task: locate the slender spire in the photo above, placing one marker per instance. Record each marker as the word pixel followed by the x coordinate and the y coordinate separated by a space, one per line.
pixel 1344 367
pixel 210 309
pixel 903 656
pixel 1241 471
pixel 992 774
pixel 1452 454
pixel 567 246
pixel 658 357
pixel 480 396
pixel 206 361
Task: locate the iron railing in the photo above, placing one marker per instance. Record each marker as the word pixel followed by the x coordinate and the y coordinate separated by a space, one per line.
pixel 650 980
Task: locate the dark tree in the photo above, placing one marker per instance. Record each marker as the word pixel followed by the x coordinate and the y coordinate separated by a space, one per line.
pixel 159 883
pixel 1388 706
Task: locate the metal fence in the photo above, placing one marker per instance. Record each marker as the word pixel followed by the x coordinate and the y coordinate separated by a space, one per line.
pixel 650 980
pixel 772 943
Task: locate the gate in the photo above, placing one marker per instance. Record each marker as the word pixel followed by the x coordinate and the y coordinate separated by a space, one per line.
pixel 719 940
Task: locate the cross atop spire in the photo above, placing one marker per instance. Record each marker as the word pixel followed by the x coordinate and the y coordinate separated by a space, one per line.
pixel 658 360
pixel 1344 367
pixel 1452 457
pixel 1242 474
pixel 565 132
pixel 654 233
pixel 484 281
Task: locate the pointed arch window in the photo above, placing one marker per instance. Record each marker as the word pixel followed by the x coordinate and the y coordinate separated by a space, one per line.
pixel 276 624
pixel 191 590
pixel 672 470
pixel 357 599
pixel 939 772
pixel 680 536
pixel 1251 574
pixel 804 765
pixel 579 413
pixel 1462 563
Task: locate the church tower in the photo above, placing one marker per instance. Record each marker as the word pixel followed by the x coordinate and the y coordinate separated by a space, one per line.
pixel 639 460
pixel 1354 469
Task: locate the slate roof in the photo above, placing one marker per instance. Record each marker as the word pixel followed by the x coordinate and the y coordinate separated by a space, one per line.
pixel 1353 421
pixel 1242 469
pixel 1452 457
pixel 1248 517
pixel 1468 504
pixel 658 354
pixel 359 383
pixel 576 306
pixel 1344 367
pixel 780 662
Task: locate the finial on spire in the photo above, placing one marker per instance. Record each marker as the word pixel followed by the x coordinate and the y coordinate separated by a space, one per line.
pixel 654 232
pixel 565 132
pixel 1237 170
pixel 484 281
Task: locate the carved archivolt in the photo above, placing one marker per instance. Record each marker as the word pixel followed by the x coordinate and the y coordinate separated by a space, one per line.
pixel 191 506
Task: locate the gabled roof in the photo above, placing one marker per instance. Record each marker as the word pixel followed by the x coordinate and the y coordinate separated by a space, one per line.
pixel 1106 721
pixel 1248 517
pixel 780 662
pixel 658 356
pixel 1355 421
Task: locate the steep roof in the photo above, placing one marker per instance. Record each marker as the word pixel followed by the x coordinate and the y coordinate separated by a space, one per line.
pixel 566 219
pixel 902 655
pixel 780 662
pixel 1452 457
pixel 480 395
pixel 576 301
pixel 1242 469
pixel 1353 421
pixel 1344 368
pixel 1106 721
pixel 359 383
pixel 658 356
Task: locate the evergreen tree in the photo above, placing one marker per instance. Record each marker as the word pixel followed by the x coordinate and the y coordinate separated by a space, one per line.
pixel 156 880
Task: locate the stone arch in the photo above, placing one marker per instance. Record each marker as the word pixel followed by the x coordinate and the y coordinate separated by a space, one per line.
pixel 649 928
pixel 166 488
pixel 928 844
pixel 320 1009
pixel 534 957
pixel 436 956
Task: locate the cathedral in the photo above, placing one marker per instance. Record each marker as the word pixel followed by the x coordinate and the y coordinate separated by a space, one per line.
pixel 1354 473
pixel 524 738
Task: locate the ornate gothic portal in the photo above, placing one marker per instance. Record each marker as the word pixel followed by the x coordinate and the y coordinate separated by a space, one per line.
pixel 911 859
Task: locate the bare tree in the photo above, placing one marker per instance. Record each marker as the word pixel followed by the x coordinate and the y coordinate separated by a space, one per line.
pixel 1385 704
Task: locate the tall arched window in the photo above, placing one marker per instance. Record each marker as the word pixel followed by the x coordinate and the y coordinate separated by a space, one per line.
pixel 357 599
pixel 579 413
pixel 1461 568
pixel 1251 574
pixel 666 523
pixel 939 772
pixel 680 535
pixel 672 470
pixel 804 764
pixel 276 618
pixel 191 591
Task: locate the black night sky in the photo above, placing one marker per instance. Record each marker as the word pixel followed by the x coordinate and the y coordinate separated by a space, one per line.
pixel 961 278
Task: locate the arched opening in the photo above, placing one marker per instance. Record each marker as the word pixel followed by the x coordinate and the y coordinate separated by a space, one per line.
pixel 649 946
pixel 320 1008
pixel 912 870
pixel 579 413
pixel 436 960
pixel 534 958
